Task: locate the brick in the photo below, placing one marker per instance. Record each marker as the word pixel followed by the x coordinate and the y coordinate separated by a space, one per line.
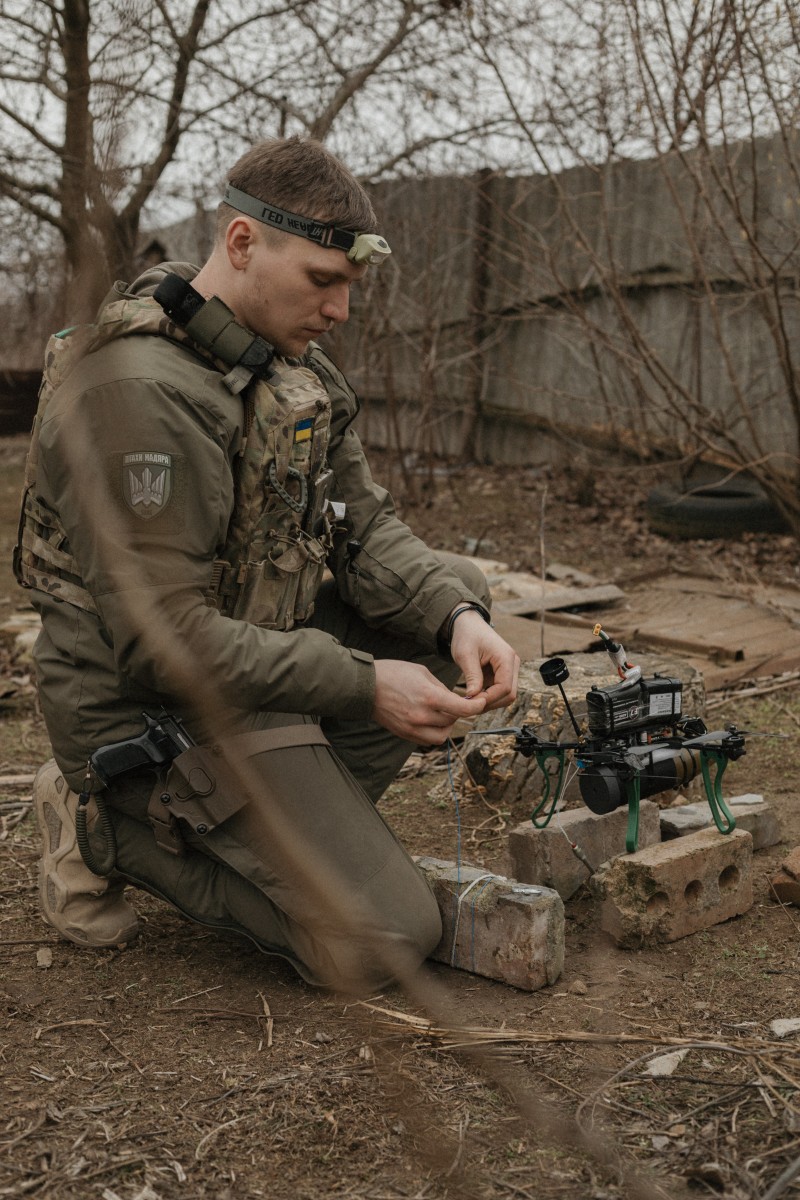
pixel 791 864
pixel 786 884
pixel 502 929
pixel 544 855
pixel 759 820
pixel 666 892
pixel 786 888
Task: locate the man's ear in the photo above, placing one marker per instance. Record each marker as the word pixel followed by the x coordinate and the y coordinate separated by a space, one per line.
pixel 240 238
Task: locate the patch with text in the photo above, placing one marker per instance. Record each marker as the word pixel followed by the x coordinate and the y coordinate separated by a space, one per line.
pixel 147 482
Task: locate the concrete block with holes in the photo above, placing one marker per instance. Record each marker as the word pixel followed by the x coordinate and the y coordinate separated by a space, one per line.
pixel 545 856
pixel 497 927
pixel 669 891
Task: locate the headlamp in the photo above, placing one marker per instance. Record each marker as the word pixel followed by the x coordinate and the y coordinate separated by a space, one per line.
pixel 368 249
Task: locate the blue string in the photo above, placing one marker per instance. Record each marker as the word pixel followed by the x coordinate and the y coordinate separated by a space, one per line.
pixel 458 856
pixel 458 812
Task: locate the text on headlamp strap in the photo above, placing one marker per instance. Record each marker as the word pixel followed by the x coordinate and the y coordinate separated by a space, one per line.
pixel 368 248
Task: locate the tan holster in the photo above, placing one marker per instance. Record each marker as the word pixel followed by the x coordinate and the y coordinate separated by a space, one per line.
pixel 205 785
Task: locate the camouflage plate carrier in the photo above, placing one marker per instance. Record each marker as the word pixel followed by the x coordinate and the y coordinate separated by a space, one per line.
pixel 279 534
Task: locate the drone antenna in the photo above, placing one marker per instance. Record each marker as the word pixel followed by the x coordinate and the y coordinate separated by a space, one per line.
pixel 616 652
pixel 554 672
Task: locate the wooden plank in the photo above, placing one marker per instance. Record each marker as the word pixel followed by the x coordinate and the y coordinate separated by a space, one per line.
pixel 642 636
pixel 742 629
pixel 727 632
pixel 771 643
pixel 526 637
pixel 563 572
pixel 576 620
pixel 779 597
pixel 771 597
pixel 555 598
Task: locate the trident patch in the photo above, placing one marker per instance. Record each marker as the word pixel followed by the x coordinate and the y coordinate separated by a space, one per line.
pixel 147 483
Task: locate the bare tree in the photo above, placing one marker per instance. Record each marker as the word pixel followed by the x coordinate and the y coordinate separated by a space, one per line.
pixel 116 106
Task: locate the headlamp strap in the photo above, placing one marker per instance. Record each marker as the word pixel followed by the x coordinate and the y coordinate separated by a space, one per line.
pixel 368 248
pixel 316 231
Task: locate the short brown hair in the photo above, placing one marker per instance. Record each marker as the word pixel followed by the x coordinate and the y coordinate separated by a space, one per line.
pixel 300 175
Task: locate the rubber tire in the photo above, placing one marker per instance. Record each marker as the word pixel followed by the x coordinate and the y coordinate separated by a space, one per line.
pixel 712 511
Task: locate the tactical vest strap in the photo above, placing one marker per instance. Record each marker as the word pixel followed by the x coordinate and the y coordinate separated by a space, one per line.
pixel 212 325
pixel 281 737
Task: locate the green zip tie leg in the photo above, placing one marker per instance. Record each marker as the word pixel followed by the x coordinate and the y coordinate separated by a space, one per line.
pixel 541 760
pixel 723 817
pixel 633 787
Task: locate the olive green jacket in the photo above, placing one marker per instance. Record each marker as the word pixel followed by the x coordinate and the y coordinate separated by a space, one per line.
pixel 156 642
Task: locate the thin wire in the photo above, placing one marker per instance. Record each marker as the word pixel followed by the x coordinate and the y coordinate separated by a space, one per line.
pixel 450 748
pixel 486 878
pixel 568 778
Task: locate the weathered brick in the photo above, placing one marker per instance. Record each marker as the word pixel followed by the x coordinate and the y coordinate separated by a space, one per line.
pixel 759 820
pixel 791 863
pixel 668 891
pixel 501 928
pixel 786 884
pixel 786 888
pixel 545 856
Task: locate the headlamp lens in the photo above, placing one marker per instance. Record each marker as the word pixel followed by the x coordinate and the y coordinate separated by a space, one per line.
pixel 370 249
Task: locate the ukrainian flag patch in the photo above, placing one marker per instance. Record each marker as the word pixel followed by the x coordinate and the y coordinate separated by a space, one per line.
pixel 304 429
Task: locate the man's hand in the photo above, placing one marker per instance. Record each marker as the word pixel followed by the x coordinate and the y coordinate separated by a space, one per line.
pixel 412 703
pixel 490 665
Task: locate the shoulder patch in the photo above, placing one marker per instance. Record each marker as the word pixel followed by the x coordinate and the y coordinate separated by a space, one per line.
pixel 147 479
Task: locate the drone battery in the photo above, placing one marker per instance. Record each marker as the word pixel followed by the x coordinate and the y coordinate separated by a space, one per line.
pixel 630 705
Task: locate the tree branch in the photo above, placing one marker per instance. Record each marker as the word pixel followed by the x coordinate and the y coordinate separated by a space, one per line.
pixel 320 127
pixel 187 50
pixel 15 191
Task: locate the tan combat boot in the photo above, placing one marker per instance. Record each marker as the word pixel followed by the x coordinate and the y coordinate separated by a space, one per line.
pixel 85 908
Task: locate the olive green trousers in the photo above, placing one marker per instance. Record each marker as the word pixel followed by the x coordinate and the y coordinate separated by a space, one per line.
pixel 307 868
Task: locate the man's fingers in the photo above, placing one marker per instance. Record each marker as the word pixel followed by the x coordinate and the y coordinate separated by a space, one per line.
pixel 499 683
pixel 461 706
pixel 412 703
pixel 498 697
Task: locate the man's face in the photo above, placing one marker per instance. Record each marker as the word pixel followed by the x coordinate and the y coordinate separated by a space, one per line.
pixel 292 291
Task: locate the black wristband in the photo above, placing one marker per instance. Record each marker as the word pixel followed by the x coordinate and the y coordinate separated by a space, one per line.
pixel 467 606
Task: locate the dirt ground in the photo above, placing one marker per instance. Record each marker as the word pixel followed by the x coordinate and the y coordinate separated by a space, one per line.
pixel 188 1066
